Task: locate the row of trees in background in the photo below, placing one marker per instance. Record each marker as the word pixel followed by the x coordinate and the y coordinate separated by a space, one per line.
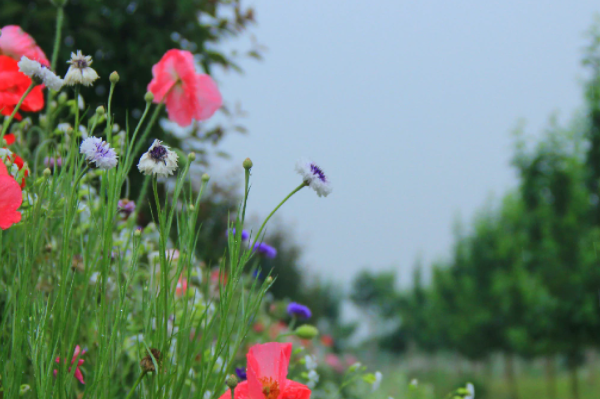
pixel 524 278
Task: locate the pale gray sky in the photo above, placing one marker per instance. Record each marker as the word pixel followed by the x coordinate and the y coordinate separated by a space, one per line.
pixel 408 107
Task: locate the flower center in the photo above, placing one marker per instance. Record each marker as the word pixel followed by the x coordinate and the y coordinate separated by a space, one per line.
pixel 158 153
pixel 318 172
pixel 81 63
pixel 270 388
pixel 101 150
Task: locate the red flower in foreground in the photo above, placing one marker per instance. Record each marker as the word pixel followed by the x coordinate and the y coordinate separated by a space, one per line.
pixel 14 158
pixel 188 95
pixel 267 375
pixel 10 199
pixel 15 43
pixel 77 374
pixel 13 85
pixel 181 287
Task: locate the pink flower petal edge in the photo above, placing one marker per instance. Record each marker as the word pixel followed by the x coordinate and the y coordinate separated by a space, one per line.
pixel 16 43
pixel 10 199
pixel 187 95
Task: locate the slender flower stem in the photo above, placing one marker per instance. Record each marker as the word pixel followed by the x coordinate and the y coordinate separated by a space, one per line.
pixel 300 187
pixel 247 179
pixel 137 382
pixel 60 13
pixel 8 120
pixel 140 143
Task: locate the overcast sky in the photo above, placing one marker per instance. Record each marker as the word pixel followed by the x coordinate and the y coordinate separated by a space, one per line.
pixel 408 106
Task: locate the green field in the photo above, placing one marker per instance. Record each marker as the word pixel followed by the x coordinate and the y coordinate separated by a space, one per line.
pixel 437 382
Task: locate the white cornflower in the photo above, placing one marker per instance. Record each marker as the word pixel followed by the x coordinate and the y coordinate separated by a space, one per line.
pixel 471 390
pixel 377 382
pixel 40 73
pixel 313 379
pixel 80 71
pixel 314 177
pixel 29 67
pixel 98 151
pixel 310 362
pixel 159 160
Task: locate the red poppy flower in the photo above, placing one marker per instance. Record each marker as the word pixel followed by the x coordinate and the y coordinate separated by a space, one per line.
pixel 15 43
pixel 267 375
pixel 77 374
pixel 13 85
pixel 181 287
pixel 10 199
pixel 9 138
pixel 188 95
pixel 14 158
pixel 327 340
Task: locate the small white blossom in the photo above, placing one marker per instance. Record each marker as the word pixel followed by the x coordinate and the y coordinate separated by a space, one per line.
pixel 377 382
pixel 310 362
pixel 159 160
pixel 39 72
pixel 414 382
pixel 471 390
pixel 80 71
pixel 29 67
pixel 98 151
pixel 313 379
pixel 314 177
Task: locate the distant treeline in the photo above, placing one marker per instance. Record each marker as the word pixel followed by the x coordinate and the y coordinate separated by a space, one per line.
pixel 524 278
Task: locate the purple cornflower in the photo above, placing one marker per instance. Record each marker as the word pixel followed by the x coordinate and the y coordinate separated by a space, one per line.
pixel 314 177
pixel 245 234
pixel 241 373
pixel 265 249
pixel 126 206
pixel 98 152
pixel 296 310
pixel 258 274
pixel 52 162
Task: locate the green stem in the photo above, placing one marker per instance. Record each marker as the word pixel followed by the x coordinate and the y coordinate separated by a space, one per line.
pixel 300 187
pixel 139 145
pixel 8 120
pixel 60 13
pixel 109 114
pixel 137 382
pixel 247 179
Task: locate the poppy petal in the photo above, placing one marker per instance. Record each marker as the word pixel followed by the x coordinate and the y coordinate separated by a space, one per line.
pixel 10 200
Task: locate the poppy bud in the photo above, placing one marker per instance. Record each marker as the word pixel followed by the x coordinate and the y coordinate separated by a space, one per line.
pixel 149 97
pixel 306 331
pixel 205 178
pixel 247 163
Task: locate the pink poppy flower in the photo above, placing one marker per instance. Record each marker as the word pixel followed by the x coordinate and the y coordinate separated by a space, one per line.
pixel 188 95
pixel 334 362
pixel 77 374
pixel 267 375
pixel 10 199
pixel 15 43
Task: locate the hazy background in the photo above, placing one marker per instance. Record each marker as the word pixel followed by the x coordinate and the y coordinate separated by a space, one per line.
pixel 398 101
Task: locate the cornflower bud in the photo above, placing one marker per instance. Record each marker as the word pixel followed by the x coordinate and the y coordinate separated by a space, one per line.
pixel 231 381
pixel 114 77
pixel 149 97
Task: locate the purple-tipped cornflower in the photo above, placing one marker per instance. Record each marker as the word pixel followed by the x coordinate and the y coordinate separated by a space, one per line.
pixel 300 311
pixel 265 249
